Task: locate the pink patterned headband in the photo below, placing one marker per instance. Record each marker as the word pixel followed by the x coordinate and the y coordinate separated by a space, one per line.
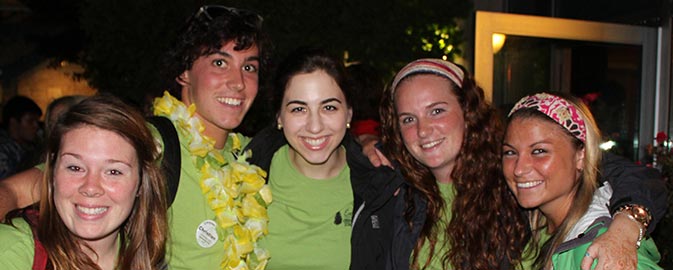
pixel 439 67
pixel 558 109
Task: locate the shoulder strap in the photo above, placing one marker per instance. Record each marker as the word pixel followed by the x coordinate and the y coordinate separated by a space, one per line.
pixel 41 257
pixel 170 163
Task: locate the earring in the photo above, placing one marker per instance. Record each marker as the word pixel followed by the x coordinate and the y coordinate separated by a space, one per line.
pixel 348 125
pixel 279 127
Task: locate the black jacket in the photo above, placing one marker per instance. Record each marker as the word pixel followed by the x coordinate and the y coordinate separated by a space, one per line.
pixel 632 183
pixel 381 237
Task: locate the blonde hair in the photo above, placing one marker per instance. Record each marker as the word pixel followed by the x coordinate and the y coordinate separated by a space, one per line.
pixel 584 191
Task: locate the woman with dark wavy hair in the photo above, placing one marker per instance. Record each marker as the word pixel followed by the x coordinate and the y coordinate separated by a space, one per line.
pixel 445 137
pixel 103 201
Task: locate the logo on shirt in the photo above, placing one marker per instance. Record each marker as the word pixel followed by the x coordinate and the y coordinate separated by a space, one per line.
pixel 344 216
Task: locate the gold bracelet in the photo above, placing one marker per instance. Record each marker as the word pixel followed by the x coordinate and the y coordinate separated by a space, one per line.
pixel 640 226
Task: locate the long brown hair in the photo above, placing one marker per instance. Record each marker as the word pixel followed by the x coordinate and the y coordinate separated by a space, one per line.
pixel 143 234
pixel 487 228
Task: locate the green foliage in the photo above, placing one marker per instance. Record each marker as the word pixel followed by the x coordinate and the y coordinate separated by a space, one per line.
pixel 127 38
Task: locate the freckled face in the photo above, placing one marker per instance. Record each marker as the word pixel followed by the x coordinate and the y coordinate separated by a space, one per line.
pixel 541 164
pixel 431 121
pixel 96 179
pixel 314 114
pixel 223 86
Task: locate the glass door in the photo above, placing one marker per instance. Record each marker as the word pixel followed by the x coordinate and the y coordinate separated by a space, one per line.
pixel 612 67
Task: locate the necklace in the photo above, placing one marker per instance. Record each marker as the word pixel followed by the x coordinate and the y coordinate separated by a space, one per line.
pixel 235 190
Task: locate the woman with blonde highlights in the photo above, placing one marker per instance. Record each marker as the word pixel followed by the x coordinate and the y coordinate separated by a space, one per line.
pixel 103 200
pixel 550 161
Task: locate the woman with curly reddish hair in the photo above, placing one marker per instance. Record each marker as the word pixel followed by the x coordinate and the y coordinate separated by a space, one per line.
pixel 445 137
pixel 455 167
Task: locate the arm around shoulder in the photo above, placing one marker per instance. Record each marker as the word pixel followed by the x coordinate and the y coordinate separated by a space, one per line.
pixel 635 184
pixel 19 190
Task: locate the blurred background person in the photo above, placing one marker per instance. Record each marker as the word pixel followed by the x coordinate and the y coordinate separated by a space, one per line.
pixel 19 135
pixel 57 107
pixel 367 84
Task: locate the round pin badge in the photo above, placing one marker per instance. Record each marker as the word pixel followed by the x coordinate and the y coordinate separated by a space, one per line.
pixel 206 233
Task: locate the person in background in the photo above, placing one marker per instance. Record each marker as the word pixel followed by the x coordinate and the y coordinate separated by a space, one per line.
pixel 446 140
pixel 213 67
pixel 550 159
pixel 19 135
pixel 332 208
pixel 102 201
pixel 59 106
pixel 368 85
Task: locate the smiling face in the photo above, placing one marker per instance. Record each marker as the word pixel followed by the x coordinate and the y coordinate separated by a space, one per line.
pixel 314 114
pixel 542 165
pixel 223 86
pixel 96 179
pixel 431 121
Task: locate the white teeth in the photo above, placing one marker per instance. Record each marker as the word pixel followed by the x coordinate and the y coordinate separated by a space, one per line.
pixel 528 184
pixel 430 144
pixel 230 101
pixel 315 142
pixel 91 211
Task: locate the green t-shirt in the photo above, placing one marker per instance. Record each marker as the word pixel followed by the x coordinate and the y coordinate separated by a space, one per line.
pixel 448 194
pixel 529 256
pixel 195 241
pixel 309 219
pixel 17 248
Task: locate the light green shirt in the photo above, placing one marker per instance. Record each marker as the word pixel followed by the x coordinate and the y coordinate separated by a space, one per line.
pixel 442 247
pixel 309 219
pixel 17 248
pixel 195 241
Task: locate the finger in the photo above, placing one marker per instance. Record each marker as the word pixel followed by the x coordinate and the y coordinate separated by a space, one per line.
pixel 383 159
pixel 587 261
pixel 375 159
pixel 601 265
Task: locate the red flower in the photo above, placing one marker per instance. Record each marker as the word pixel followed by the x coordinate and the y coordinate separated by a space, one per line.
pixel 661 137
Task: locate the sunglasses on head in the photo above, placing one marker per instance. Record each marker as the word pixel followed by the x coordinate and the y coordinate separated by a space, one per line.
pixel 208 13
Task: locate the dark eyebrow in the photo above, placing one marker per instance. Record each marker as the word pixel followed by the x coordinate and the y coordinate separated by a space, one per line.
pixel 322 102
pixel 111 160
pixel 298 102
pixel 227 55
pixel 331 100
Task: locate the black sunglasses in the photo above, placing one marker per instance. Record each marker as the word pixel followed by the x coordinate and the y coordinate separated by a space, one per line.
pixel 208 13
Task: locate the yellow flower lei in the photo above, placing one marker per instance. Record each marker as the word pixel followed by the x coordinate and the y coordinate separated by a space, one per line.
pixel 236 190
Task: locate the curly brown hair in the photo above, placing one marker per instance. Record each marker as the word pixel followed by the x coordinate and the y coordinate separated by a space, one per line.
pixel 488 228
